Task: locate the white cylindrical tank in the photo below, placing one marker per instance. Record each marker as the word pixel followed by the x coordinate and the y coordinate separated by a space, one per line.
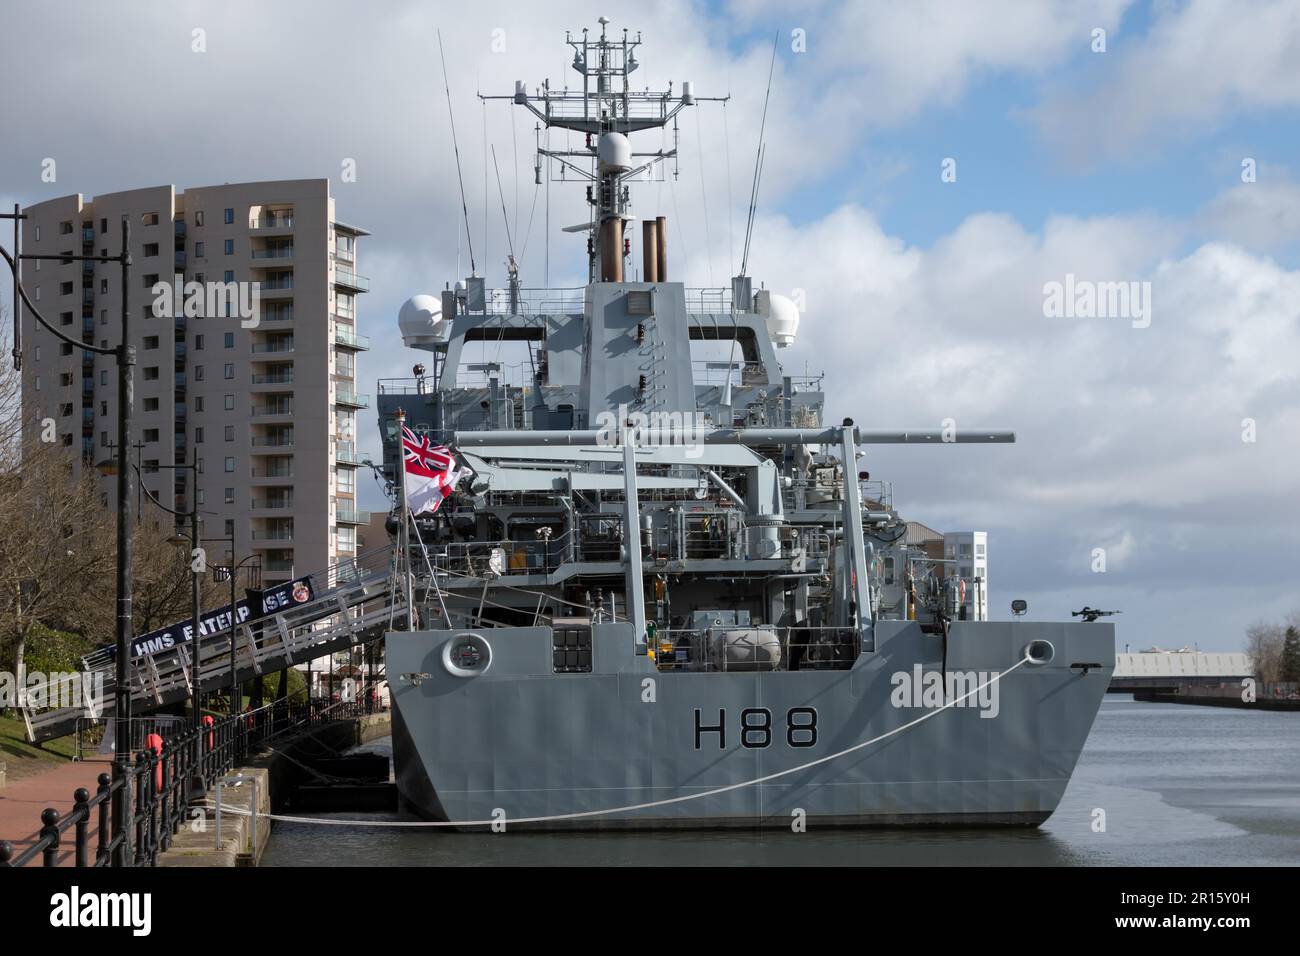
pixel 782 317
pixel 420 321
pixel 613 153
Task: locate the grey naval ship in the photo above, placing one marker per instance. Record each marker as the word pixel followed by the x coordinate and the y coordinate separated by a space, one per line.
pixel 662 592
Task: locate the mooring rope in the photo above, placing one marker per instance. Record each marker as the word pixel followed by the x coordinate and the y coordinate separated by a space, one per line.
pixel 633 807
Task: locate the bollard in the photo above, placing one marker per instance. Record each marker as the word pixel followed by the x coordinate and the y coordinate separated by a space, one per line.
pixel 50 833
pixel 101 851
pixel 81 807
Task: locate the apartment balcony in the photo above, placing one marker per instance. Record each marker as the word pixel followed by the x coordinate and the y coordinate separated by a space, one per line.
pixel 272 441
pixel 272 504
pixel 180 259
pixel 347 516
pixel 87 268
pixel 345 453
pixel 88 235
pixel 351 339
pixel 270 223
pixel 272 536
pixel 274 378
pixel 278 566
pixel 280 313
pixel 271 472
pixel 275 347
pixel 276 287
pixel 278 255
pixel 87 296
pixel 273 410
pixel 350 280
pixel 344 395
pixel 178 228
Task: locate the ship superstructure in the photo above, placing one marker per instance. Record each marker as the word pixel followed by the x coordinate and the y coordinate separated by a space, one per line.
pixel 668 593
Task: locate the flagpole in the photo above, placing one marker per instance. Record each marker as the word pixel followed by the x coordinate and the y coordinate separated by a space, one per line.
pixel 404 538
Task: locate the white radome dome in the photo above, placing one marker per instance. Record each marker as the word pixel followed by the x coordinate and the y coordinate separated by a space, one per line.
pixel 782 319
pixel 420 320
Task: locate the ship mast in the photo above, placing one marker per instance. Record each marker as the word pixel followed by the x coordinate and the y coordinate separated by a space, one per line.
pixel 606 111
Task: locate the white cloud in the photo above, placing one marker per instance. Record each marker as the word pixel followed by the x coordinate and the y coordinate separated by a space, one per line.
pixel 1199 63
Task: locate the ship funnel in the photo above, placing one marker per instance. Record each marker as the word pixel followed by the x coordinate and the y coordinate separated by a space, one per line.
pixel 650 250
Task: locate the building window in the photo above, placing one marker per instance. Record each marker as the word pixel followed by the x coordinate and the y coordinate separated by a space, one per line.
pixel 228 247
pixel 199 497
pixel 198 373
pixel 65 348
pixel 230 433
pixel 151 434
pixel 38 383
pixel 38 234
pixel 230 496
pixel 151 373
pixel 347 483
pixel 103 376
pixel 149 219
pixel 198 436
pixel 150 249
pixel 230 527
pixel 103 225
pixel 198 404
pixel 150 342
pixel 65 288
pixel 65 227
pixel 151 280
pixel 229 216
pixel 198 217
pixel 230 340
pixel 230 465
pixel 347 539
pixel 230 403
pixel 230 277
pixel 65 318
pixel 230 370
pixel 199 249
pixel 198 342
pixel 150 405
pixel 103 317
pixel 103 285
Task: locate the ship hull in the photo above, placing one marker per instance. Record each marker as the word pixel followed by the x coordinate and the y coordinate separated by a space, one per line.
pixel 631 747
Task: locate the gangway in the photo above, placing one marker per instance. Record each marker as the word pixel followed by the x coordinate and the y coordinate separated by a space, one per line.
pixel 359 607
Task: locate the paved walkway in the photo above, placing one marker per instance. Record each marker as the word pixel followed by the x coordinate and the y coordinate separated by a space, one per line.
pixel 22 801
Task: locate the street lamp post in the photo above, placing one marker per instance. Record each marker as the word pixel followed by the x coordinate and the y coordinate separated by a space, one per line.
pixel 197 784
pixel 124 355
pixel 234 575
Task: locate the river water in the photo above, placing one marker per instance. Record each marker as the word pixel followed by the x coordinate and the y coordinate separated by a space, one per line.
pixel 1180 786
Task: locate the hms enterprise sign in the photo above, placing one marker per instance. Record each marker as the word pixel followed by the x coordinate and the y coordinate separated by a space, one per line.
pixel 273 600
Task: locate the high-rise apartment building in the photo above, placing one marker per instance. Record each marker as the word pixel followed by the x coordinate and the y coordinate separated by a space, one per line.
pixel 266 401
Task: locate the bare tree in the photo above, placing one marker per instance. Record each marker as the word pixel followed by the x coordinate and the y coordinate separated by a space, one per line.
pixel 1264 648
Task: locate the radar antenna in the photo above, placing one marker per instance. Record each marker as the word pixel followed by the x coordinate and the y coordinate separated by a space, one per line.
pixel 606 111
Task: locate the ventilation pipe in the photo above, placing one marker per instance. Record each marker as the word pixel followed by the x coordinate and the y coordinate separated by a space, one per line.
pixel 650 250
pixel 661 228
pixel 611 250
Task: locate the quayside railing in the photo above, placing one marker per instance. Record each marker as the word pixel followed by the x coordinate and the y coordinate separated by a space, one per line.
pixel 161 785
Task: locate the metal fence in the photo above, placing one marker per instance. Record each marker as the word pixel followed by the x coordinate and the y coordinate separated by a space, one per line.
pixel 162 785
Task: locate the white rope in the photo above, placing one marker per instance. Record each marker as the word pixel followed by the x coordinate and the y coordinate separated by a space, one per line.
pixel 630 808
